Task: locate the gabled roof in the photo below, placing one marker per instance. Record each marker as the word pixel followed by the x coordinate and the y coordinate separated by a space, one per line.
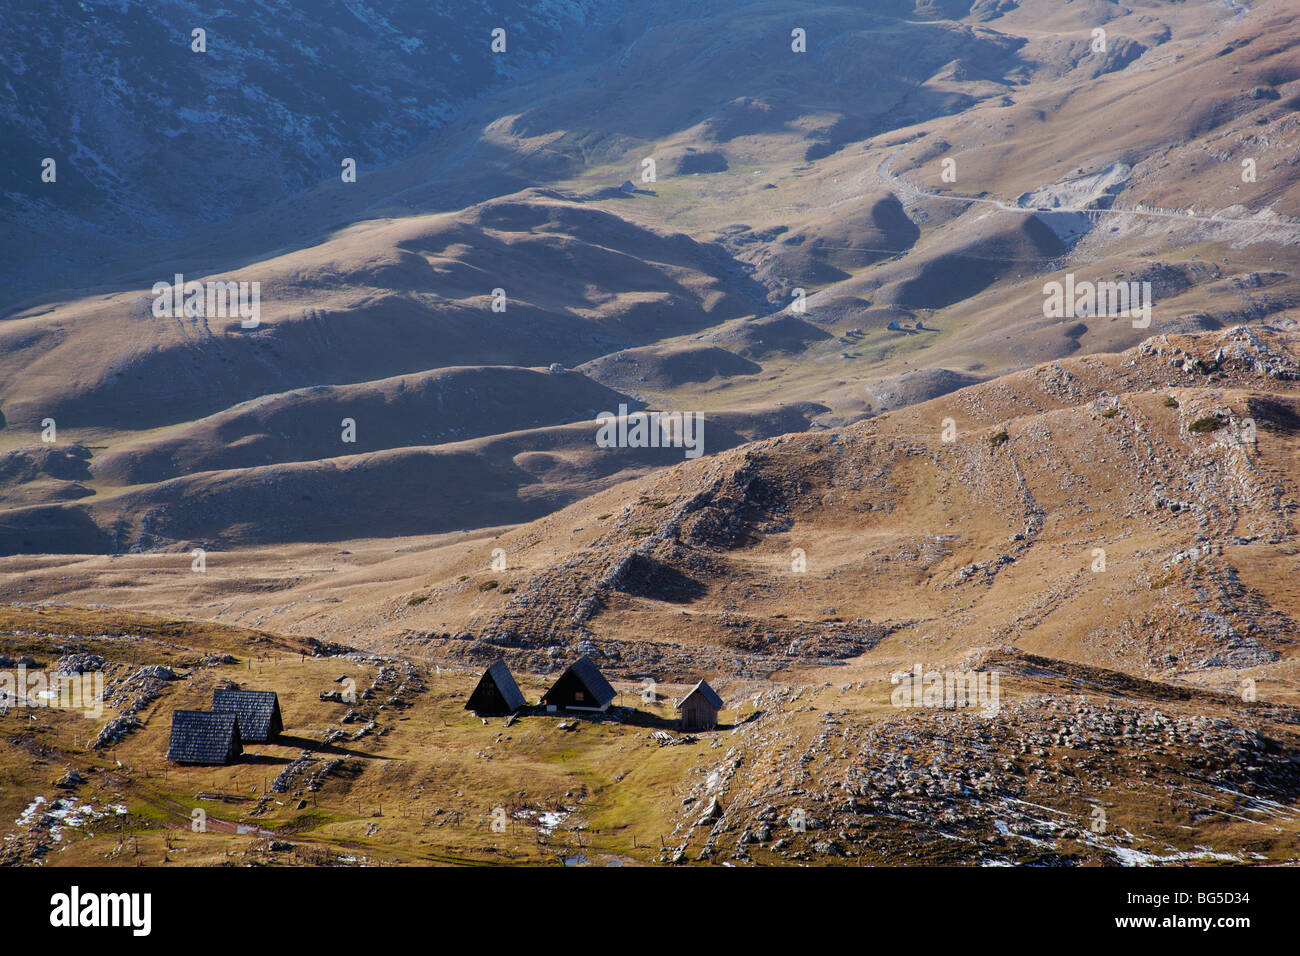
pixel 258 711
pixel 500 675
pixel 586 671
pixel 705 691
pixel 202 737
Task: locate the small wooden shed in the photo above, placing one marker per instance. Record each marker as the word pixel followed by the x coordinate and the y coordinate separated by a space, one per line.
pixel 497 693
pixel 201 737
pixel 258 710
pixel 699 708
pixel 581 687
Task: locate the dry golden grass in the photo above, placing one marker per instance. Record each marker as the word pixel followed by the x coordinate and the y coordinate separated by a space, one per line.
pixel 422 791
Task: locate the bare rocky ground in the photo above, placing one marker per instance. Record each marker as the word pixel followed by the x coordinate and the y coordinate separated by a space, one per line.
pixel 1115 777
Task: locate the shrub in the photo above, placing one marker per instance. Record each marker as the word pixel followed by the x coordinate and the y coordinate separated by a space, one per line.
pixel 998 438
pixel 1208 423
pixel 488 585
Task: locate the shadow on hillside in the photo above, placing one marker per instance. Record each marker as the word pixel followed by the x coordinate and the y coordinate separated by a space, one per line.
pixel 639 718
pixel 631 717
pixel 334 749
pixel 263 760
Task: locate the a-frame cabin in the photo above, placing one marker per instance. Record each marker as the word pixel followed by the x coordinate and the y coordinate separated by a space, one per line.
pixel 258 710
pixel 581 687
pixel 497 693
pixel 202 737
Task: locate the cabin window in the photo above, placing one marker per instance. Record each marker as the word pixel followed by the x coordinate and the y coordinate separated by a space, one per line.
pixel 579 695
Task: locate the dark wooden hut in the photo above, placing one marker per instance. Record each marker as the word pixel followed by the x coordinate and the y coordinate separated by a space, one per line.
pixel 258 710
pixel 201 737
pixel 496 694
pixel 581 687
pixel 699 708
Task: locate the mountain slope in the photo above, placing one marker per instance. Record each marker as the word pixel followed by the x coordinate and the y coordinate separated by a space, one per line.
pixel 986 539
pixel 151 137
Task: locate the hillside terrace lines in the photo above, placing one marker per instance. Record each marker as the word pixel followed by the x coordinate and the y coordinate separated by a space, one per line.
pixel 1217 506
pixel 1257 499
pixel 1055 596
pixel 1264 490
pixel 1139 446
pixel 1238 627
pixel 1211 496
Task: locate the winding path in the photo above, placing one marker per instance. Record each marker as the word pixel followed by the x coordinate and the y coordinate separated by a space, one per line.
pixel 890 179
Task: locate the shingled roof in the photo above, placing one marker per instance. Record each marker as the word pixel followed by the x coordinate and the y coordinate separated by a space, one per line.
pixel 258 710
pixel 705 691
pixel 199 736
pixel 496 692
pixel 585 670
